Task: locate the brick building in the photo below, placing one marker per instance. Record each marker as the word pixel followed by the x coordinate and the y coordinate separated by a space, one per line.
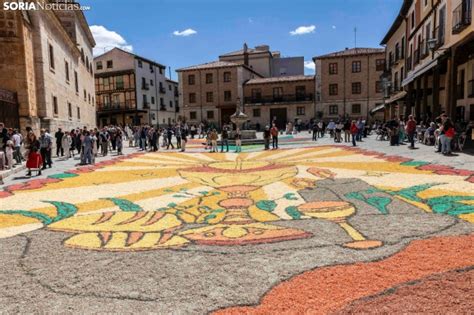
pixel 350 83
pixel 46 76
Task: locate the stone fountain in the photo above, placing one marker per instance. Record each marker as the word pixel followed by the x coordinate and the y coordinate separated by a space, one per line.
pixel 239 118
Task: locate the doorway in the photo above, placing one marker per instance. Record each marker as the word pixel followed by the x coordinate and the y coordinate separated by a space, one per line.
pixel 279 117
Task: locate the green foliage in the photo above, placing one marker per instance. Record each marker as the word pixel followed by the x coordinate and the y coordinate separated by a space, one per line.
pixel 125 205
pixel 64 210
pixel 290 196
pixel 266 205
pixel 293 212
pixel 30 214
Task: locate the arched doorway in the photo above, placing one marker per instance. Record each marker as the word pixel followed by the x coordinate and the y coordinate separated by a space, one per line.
pixel 9 109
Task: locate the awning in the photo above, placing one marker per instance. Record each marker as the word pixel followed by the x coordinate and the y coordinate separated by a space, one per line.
pixel 396 97
pixel 421 69
pixel 377 108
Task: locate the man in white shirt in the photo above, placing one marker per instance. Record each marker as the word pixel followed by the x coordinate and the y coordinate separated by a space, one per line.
pixel 17 140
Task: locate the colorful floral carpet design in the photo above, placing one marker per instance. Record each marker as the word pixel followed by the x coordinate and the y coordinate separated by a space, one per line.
pixel 305 230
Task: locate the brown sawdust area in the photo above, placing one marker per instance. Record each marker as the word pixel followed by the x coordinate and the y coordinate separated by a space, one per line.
pixel 331 289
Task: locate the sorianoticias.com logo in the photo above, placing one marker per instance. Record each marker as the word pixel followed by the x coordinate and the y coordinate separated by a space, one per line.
pixel 63 5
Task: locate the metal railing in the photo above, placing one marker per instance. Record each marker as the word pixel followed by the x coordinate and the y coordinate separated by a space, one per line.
pixel 462 16
pixel 145 86
pixel 286 98
pixel 116 106
pixel 162 90
pixel 439 31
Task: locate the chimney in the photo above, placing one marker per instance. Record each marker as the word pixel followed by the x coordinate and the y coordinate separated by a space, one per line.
pixel 246 55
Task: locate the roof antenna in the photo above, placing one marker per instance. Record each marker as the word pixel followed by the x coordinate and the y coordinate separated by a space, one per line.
pixel 169 70
pixel 355 37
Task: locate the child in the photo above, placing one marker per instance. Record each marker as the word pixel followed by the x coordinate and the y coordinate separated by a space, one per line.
pixel 9 149
pixel 238 140
pixel 214 140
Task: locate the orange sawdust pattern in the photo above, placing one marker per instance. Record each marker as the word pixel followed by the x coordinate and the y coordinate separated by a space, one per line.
pixel 326 290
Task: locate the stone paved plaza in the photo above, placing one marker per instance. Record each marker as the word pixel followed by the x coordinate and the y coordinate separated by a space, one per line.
pixel 309 228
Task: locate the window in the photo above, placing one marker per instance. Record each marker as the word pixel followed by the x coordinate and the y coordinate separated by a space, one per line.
pixel 171 104
pixel 333 110
pixel 356 108
pixel 151 68
pixel 333 89
pixel 169 87
pixel 82 54
pixel 51 56
pixel 151 82
pixel 227 76
pixel 85 95
pixel 89 98
pixel 78 112
pixel 413 20
pixel 210 114
pixel 208 78
pixel 153 100
pixel 192 97
pixel 145 101
pixel 119 82
pixel 116 100
pixel 209 97
pixel 256 112
pixel 69 110
pixel 227 96
pixel 256 95
pixel 66 69
pixel 98 65
pixel 300 110
pixel 356 88
pixel 110 64
pixel 161 70
pixel 191 79
pixel 106 100
pixel 277 93
pixel 192 115
pixel 356 66
pixel 402 53
pixel 162 102
pixel 333 68
pixel 140 65
pixel 300 92
pixel 378 87
pixel 380 63
pixel 55 105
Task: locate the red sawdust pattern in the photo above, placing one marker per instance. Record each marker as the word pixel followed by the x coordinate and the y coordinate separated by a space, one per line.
pixel 447 293
pixel 328 289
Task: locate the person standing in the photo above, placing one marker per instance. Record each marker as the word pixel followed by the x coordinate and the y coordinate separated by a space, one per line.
pixel 178 131
pixel 169 137
pixel 224 139
pixel 184 139
pixel 266 137
pixel 119 142
pixel 17 140
pixel 213 137
pixel 354 132
pixel 238 140
pixel 315 132
pixel 447 134
pixel 274 133
pixel 34 160
pixel 86 148
pixel 59 142
pixel 347 131
pixel 66 144
pixel 45 148
pixel 411 131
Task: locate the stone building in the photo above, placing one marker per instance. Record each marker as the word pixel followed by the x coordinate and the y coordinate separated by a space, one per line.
pixel 279 99
pixel 46 76
pixel 350 84
pixel 439 62
pixel 210 92
pixel 133 90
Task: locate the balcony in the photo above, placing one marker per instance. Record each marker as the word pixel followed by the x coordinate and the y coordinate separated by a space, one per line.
pixel 460 91
pixel 423 49
pixel 470 87
pixel 145 86
pixel 116 106
pixel 287 98
pixel 409 64
pixel 146 104
pixel 439 31
pixel 462 16
pixel 162 90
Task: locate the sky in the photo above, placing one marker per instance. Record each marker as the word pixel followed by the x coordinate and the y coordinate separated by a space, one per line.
pixel 181 33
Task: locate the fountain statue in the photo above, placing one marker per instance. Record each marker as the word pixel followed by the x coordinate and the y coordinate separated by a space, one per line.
pixel 239 118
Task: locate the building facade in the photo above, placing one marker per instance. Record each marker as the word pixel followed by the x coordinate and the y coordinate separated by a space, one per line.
pixel 46 75
pixel 439 67
pixel 279 100
pixel 350 85
pixel 210 92
pixel 267 63
pixel 133 90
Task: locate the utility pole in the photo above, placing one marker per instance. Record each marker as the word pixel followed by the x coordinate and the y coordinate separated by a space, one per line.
pixel 355 37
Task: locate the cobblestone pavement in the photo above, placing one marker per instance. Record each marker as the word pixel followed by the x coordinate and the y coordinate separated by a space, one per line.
pixel 309 228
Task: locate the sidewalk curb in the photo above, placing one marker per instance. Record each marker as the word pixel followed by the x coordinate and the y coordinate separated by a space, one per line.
pixel 6 173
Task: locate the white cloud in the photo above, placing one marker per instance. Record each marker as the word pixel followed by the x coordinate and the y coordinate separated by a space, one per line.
pixel 186 32
pixel 303 30
pixel 334 27
pixel 106 40
pixel 310 65
pixel 250 20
